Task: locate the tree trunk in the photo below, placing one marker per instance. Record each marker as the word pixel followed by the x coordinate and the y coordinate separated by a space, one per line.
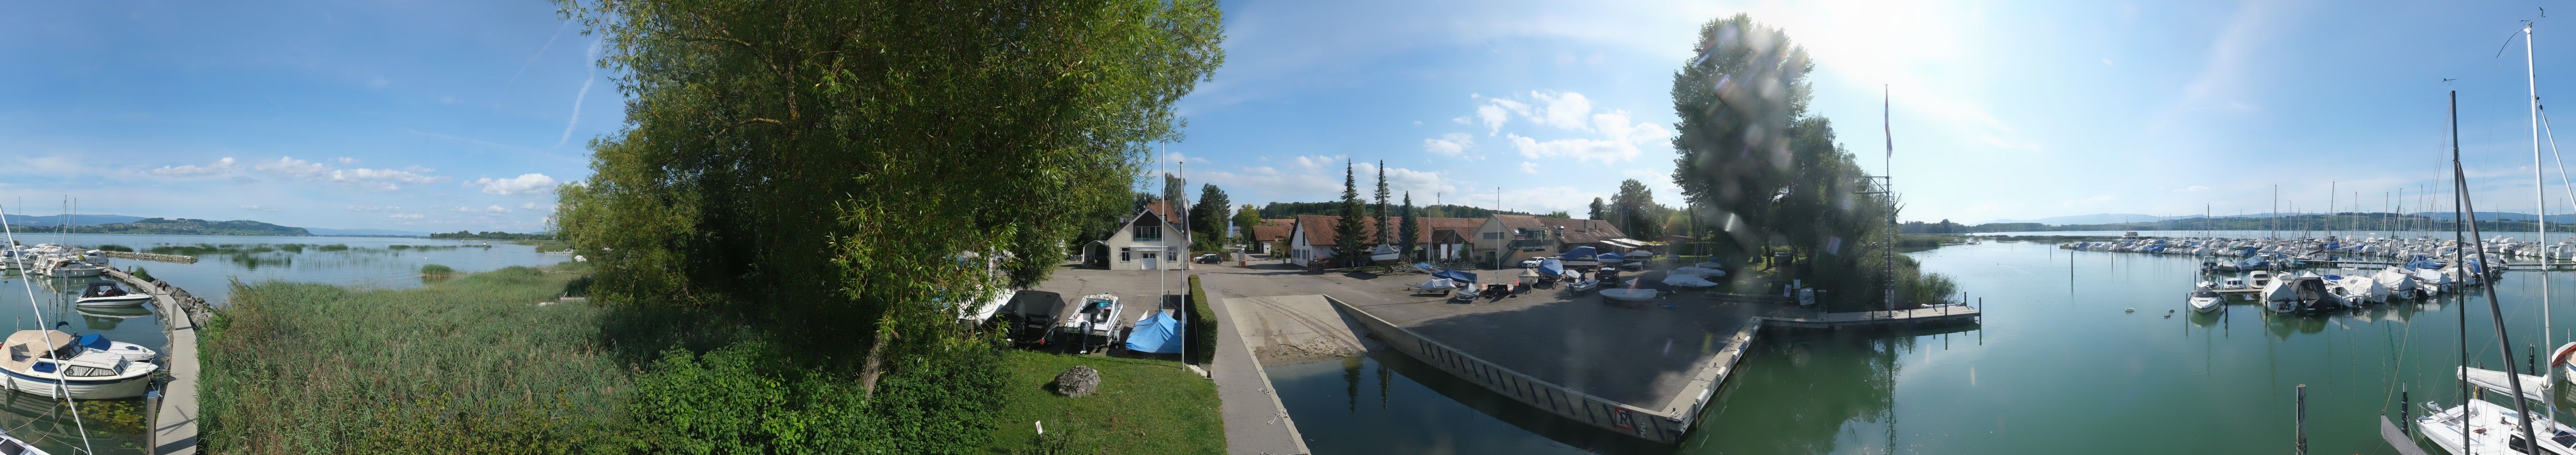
pixel 874 367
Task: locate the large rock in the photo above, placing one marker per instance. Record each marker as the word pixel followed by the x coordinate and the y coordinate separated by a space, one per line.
pixel 1077 382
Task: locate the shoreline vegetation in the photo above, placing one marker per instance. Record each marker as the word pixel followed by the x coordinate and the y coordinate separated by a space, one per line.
pixel 488 362
pixel 2315 223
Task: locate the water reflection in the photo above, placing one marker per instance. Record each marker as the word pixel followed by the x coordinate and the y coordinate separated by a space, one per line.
pixel 1799 392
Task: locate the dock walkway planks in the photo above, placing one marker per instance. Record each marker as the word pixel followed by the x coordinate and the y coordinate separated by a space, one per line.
pixel 174 416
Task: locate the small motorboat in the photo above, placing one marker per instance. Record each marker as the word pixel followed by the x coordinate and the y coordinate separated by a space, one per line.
pixel 1609 258
pixel 2206 300
pixel 2232 283
pixel 1466 293
pixel 106 293
pixel 1582 284
pixel 45 362
pixel 1628 294
pixel 91 342
pixel 1683 280
pixel 1437 286
pixel 1095 316
pixel 1551 269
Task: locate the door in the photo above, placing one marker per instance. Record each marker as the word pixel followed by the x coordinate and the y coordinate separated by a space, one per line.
pixel 1150 262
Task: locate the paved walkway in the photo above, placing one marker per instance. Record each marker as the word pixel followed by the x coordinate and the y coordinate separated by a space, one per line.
pixel 1255 422
pixel 174 423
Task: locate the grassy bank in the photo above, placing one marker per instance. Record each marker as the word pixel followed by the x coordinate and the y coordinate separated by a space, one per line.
pixel 1143 407
pixel 471 364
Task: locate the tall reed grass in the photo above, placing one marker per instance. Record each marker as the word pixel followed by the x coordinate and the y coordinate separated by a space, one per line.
pixel 465 365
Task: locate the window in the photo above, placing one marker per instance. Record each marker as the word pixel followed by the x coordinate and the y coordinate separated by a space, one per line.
pixel 1493 235
pixel 1123 254
pixel 1149 233
pixel 82 371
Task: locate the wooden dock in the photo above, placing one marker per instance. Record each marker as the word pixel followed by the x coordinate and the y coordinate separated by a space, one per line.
pixel 150 256
pixel 1922 316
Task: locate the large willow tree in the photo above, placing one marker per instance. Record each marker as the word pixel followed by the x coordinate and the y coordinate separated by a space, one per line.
pixel 1766 173
pixel 838 171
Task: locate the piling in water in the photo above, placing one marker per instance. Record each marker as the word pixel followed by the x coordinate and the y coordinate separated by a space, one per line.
pixel 2303 419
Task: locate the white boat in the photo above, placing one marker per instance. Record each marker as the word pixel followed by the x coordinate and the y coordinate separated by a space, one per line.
pixel 65 267
pixel 95 257
pixel 1095 315
pixel 1683 280
pixel 2401 285
pixel 1697 270
pixel 2232 283
pixel 1385 254
pixel 2205 300
pixel 1628 294
pixel 977 312
pixel 2490 427
pixel 2261 279
pixel 45 362
pixel 105 293
pixel 91 342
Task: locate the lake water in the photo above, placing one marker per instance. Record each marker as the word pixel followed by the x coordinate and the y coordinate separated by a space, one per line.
pixel 2057 366
pixel 115 426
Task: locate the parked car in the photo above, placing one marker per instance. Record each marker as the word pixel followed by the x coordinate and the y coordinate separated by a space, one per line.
pixel 1209 258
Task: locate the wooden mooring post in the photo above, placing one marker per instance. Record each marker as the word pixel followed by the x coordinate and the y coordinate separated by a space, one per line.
pixel 2303 419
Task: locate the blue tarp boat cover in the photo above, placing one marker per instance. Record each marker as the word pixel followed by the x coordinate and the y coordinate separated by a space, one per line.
pixel 1609 256
pixel 1457 275
pixel 1158 334
pixel 93 341
pixel 1578 253
pixel 1552 267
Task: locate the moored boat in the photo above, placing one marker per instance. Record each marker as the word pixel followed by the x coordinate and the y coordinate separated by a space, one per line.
pixel 46 362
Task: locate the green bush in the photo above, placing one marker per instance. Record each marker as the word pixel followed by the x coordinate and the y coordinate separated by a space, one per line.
pixel 123 248
pixel 140 274
pixel 436 270
pixel 1202 336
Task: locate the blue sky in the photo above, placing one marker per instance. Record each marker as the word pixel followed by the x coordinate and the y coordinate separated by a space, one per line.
pixel 438 116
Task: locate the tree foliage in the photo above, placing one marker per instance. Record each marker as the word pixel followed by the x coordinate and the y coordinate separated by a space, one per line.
pixel 1751 154
pixel 1349 241
pixel 810 166
pixel 1412 229
pixel 1598 209
pixel 1383 234
pixel 1244 219
pixel 1634 209
pixel 1207 216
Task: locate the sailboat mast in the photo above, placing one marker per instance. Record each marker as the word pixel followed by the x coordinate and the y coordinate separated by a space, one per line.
pixel 2504 343
pixel 2540 201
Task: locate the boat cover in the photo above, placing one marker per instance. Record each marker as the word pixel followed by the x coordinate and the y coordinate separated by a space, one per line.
pixel 1158 334
pixel 1551 267
pixel 1580 252
pixel 1609 257
pixel 1710 265
pixel 1688 281
pixel 1439 284
pixel 1628 294
pixel 1457 275
pixel 1697 271
pixel 93 341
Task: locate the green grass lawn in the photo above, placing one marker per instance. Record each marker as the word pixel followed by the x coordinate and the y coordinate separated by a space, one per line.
pixel 1143 407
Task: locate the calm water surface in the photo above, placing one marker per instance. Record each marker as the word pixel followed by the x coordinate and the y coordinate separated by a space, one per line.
pixel 116 426
pixel 2057 366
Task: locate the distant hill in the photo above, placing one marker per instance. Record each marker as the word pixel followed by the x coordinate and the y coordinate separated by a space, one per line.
pixel 75 220
pixel 366 232
pixel 191 227
pixel 2500 216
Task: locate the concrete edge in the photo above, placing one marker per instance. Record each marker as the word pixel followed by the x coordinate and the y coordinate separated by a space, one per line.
pixel 1712 375
pixel 1558 400
pixel 1226 323
pixel 174 414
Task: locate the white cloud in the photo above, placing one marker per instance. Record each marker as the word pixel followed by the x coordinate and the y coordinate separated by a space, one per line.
pixel 1453 145
pixel 373 208
pixel 536 206
pixel 523 184
pixel 496 209
pixel 1417 123
pixel 2191 189
pixel 405 216
pixel 371 179
pixel 190 170
pixel 1497 111
pixel 258 208
pixel 1543 200
pixel 1529 167
pixel 1462 120
pixel 1562 110
pixel 344 161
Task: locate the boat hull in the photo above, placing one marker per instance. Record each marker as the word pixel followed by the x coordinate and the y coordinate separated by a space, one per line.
pixel 80 389
pixel 122 300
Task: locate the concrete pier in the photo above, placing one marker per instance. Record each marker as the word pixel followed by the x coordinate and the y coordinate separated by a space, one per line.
pixel 174 414
pixel 150 256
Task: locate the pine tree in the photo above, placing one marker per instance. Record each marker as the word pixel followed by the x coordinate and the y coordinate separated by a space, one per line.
pixel 1598 208
pixel 1354 218
pixel 1382 232
pixel 1412 225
